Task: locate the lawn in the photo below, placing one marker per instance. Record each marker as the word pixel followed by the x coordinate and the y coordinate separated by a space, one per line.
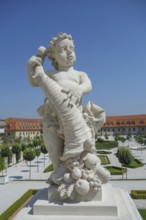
pixel 104 159
pixel 142 213
pixel 135 163
pixel 116 170
pixel 48 169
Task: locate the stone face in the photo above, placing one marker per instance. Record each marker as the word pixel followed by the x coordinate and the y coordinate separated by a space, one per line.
pixel 68 129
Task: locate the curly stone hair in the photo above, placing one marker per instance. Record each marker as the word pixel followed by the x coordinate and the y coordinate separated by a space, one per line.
pixel 50 50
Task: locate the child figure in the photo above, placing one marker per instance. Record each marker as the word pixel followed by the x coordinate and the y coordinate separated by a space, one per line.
pixel 74 85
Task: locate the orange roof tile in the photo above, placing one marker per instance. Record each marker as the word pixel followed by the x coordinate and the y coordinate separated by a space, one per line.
pixel 125 121
pixel 23 124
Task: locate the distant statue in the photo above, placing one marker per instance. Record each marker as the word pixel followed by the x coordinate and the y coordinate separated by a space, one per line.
pixel 68 128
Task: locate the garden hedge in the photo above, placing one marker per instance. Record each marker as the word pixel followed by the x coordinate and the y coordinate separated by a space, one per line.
pixel 16 205
pixel 138 194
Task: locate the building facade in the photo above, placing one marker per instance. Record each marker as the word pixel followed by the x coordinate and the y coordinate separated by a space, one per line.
pixel 31 128
pixel 26 128
pixel 124 125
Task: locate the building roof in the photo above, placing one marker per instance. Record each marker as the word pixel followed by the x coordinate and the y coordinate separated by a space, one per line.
pixel 32 124
pixel 23 124
pixel 126 121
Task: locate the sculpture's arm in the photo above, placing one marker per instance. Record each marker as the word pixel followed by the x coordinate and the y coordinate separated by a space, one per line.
pixel 85 83
pixel 34 62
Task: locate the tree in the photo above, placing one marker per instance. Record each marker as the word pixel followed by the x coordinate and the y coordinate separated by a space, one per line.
pixel 125 156
pixel 5 151
pixel 44 151
pixel 16 149
pixel 29 155
pixel 36 142
pixel 2 164
pixel 38 152
pixel 129 136
pixel 106 136
pixel 116 136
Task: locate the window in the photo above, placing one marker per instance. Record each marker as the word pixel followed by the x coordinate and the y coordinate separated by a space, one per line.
pixel 141 122
pixel 118 122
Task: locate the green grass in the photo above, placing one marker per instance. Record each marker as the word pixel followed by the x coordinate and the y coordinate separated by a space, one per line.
pixel 49 169
pixel 16 205
pixel 104 159
pixel 115 170
pixel 135 163
pixel 142 213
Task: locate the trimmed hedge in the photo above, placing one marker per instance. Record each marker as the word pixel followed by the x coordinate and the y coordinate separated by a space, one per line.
pixel 103 152
pixel 106 145
pixel 16 205
pixel 48 169
pixel 138 194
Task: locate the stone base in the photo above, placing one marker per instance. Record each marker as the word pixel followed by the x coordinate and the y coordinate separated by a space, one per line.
pixel 115 204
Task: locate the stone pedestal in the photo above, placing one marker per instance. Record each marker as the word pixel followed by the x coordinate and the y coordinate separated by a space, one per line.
pixel 110 204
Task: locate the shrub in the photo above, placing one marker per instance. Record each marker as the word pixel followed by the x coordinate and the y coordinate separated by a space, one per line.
pixel 138 194
pixel 124 155
pixel 103 152
pixel 106 145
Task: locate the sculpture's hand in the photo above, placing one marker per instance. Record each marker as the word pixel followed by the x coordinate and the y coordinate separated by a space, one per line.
pixel 35 67
pixel 34 61
pixel 35 70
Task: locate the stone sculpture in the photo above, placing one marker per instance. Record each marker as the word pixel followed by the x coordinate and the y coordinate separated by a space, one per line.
pixel 68 128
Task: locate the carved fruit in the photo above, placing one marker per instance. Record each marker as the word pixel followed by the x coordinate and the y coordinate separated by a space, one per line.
pixel 82 186
pixel 58 174
pixel 91 160
pixel 76 173
pixel 67 178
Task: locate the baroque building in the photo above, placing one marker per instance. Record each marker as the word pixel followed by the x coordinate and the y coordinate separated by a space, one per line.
pixel 124 125
pixel 31 127
pixel 23 127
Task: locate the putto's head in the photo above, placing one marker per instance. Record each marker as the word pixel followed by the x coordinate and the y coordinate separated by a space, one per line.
pixel 61 50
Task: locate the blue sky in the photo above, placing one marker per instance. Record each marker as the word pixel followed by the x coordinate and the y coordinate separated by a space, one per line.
pixel 110 44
